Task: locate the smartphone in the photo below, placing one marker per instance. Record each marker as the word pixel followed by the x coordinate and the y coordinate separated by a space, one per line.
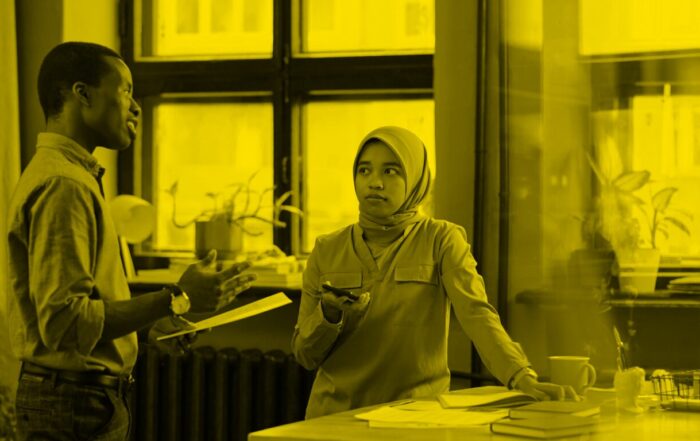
pixel 340 292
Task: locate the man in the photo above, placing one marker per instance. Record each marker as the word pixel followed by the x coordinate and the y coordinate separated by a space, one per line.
pixel 72 318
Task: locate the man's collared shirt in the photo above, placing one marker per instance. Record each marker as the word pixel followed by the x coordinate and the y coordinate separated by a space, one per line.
pixel 63 262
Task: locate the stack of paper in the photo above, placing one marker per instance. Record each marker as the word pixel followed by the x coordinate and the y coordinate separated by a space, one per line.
pixel 554 408
pixel 257 307
pixel 685 285
pixel 428 414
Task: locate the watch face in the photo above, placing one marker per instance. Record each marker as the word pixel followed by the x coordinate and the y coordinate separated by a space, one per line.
pixel 179 304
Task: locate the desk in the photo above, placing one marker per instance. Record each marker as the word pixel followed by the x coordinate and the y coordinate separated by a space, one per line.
pixel 651 426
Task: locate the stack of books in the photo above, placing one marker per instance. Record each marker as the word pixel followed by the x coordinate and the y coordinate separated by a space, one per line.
pixel 550 419
pixel 546 427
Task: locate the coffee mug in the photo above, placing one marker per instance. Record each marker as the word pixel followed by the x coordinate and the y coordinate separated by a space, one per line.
pixel 572 370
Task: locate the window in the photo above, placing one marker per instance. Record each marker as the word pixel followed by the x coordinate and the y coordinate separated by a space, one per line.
pixel 330 201
pixel 600 105
pixel 281 91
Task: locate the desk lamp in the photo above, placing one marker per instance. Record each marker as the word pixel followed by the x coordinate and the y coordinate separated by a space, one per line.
pixel 134 220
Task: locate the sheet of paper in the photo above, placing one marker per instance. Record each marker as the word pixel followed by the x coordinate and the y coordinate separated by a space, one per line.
pixel 494 396
pixel 257 307
pixel 432 416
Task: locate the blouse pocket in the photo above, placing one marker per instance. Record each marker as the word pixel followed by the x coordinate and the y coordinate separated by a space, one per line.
pixel 415 296
pixel 417 274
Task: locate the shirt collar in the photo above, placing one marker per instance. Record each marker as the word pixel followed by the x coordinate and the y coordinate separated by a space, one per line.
pixel 73 151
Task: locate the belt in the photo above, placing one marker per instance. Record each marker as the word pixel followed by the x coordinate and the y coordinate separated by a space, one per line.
pixel 87 378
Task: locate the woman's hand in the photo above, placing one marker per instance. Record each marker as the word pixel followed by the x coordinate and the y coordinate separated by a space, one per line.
pixel 334 305
pixel 546 391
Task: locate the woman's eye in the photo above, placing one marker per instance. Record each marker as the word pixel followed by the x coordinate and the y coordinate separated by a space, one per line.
pixel 392 171
pixel 363 170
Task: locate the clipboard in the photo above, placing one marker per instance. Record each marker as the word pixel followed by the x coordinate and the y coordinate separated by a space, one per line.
pixel 257 307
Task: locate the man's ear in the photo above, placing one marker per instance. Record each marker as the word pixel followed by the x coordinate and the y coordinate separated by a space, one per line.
pixel 81 91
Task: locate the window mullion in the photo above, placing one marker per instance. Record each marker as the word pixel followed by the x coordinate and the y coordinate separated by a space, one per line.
pixel 281 54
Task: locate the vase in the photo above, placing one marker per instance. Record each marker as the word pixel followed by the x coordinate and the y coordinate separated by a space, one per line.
pixel 638 269
pixel 219 234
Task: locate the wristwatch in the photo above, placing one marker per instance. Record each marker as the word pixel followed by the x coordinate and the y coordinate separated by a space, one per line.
pixel 179 301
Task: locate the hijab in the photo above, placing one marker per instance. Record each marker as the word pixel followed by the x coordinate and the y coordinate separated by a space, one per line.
pixel 412 155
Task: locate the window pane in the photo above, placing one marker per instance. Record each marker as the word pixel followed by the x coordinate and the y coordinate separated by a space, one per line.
pixel 195 28
pixel 368 25
pixel 209 148
pixel 333 131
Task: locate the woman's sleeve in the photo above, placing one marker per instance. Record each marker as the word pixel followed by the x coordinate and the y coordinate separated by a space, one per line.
pixel 314 336
pixel 465 288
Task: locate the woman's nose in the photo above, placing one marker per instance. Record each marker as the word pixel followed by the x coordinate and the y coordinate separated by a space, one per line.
pixel 376 183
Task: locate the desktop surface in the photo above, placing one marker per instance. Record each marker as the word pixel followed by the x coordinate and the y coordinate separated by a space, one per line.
pixel 656 425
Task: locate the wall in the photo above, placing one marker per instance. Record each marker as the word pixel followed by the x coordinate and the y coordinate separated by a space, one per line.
pixel 41 25
pixel 455 97
pixel 455 121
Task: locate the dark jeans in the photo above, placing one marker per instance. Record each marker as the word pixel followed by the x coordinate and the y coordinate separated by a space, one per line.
pixel 49 409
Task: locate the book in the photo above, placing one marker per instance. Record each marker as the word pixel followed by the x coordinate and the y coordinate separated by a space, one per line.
pixel 545 408
pixel 486 396
pixel 546 427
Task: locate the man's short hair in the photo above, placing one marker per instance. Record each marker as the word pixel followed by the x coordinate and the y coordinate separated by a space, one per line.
pixel 66 64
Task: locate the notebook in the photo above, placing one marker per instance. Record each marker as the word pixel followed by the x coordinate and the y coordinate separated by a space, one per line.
pixel 545 408
pixel 486 396
pixel 546 427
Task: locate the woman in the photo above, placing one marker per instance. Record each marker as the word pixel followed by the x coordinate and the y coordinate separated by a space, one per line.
pixel 407 269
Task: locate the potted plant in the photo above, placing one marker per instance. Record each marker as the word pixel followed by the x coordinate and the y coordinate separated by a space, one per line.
pixel 221 226
pixel 619 216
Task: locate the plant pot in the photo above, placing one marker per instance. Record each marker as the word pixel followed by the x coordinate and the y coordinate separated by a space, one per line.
pixel 638 270
pixel 219 234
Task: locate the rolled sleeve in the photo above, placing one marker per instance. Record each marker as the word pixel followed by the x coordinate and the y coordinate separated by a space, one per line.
pixel 62 255
pixel 479 319
pixel 314 336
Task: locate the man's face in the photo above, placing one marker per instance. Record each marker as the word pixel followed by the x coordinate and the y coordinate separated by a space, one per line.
pixel 112 116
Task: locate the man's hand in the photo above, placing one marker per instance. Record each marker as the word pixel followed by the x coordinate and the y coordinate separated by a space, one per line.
pixel 208 289
pixel 546 391
pixel 168 325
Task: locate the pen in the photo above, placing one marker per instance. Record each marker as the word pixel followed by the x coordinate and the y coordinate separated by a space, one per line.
pixel 340 292
pixel 621 357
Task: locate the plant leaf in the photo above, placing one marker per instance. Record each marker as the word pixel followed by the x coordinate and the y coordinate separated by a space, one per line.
pixel 281 200
pixel 596 170
pixel 630 198
pixel 662 198
pixel 678 224
pixel 632 180
pixel 292 209
pixel 173 188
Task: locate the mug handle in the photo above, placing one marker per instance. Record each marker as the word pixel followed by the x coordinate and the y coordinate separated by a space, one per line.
pixel 591 375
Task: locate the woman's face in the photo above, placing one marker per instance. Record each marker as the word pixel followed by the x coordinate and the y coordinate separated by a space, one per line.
pixel 380 180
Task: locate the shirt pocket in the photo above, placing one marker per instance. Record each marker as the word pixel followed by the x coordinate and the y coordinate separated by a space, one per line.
pixel 424 273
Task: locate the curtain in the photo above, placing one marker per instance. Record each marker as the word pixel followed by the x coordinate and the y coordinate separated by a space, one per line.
pixel 10 163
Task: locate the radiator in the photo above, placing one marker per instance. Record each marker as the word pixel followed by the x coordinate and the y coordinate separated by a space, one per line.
pixel 215 395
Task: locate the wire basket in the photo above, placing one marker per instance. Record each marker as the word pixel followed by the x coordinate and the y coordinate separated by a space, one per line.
pixel 678 390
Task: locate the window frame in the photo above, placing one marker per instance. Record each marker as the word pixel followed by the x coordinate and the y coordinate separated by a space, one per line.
pixel 289 77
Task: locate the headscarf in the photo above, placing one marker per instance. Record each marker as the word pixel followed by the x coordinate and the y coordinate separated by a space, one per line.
pixel 412 155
